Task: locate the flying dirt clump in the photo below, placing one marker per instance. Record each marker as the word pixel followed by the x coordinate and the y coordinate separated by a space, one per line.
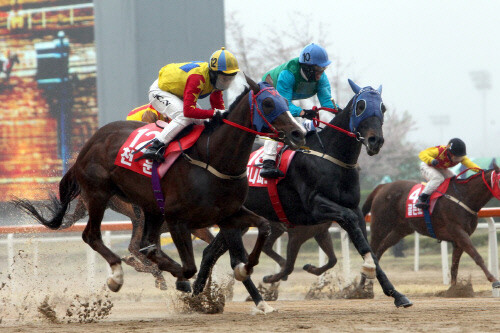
pixel 330 287
pixel 211 301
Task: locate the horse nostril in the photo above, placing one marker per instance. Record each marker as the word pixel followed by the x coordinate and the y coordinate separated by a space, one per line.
pixel 372 140
pixel 297 135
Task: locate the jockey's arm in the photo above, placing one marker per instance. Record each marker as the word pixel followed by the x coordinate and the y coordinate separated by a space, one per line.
pixel 324 92
pixel 285 88
pixel 217 100
pixel 428 155
pixel 469 164
pixel 192 91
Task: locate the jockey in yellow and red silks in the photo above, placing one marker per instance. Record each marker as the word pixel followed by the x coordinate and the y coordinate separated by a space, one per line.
pixel 179 86
pixel 435 164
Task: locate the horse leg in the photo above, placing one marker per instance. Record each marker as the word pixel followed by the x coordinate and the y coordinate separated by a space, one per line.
pixel 295 241
pixel 242 219
pixel 181 235
pixel 92 236
pixel 455 261
pixel 463 240
pixel 276 232
pixel 328 210
pixel 203 234
pixel 325 243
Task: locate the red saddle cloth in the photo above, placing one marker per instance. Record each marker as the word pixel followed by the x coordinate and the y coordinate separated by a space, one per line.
pixel 254 166
pixel 140 136
pixel 411 200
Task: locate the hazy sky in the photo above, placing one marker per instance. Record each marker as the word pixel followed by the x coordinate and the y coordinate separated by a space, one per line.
pixel 422 52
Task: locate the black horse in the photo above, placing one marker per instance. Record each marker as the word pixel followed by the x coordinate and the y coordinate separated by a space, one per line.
pixel 325 188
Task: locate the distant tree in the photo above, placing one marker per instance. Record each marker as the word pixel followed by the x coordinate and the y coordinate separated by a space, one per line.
pixel 398 158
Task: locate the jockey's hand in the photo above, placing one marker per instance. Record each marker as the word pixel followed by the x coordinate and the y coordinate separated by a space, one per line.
pixel 434 162
pixel 218 115
pixel 309 114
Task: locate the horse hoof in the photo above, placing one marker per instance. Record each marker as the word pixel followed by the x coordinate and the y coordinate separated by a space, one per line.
pixel 183 286
pixel 368 271
pixel 284 278
pixel 402 301
pixel 240 272
pixel 307 267
pixel 264 308
pixel 113 285
pixel 496 284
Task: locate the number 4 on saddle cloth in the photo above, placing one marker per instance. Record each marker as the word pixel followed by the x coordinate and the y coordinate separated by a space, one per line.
pixel 255 180
pixel 412 210
pixel 126 159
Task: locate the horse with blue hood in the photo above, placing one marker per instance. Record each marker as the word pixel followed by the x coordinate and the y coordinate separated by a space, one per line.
pixel 321 186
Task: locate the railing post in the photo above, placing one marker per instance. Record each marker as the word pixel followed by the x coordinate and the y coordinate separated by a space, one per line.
pixel 493 252
pixel 416 263
pixel 346 261
pixel 444 262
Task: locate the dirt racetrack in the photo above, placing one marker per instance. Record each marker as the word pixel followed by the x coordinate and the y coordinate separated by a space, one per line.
pixel 429 314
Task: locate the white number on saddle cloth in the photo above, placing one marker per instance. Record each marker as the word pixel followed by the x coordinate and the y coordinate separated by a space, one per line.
pixel 127 157
pixel 412 210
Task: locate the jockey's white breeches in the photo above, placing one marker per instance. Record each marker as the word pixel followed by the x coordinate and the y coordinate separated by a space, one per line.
pixel 433 176
pixel 171 106
pixel 271 146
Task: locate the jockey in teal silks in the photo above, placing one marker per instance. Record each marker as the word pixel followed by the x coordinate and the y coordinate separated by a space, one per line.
pixel 297 79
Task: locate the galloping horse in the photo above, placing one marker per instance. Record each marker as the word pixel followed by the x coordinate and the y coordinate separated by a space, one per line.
pixel 136 259
pixel 194 197
pixel 7 65
pixel 322 185
pixel 451 221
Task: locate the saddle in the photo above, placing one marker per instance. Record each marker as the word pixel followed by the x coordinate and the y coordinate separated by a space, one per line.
pixel 411 200
pixel 125 157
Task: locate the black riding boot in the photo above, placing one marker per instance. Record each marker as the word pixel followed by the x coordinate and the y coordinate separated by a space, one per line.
pixel 154 152
pixel 423 201
pixel 269 170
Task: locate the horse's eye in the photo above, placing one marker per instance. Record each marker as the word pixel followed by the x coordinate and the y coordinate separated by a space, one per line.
pixel 382 107
pixel 360 107
pixel 268 106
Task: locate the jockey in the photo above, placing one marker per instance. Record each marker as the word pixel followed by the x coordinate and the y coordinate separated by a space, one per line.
pixel 176 91
pixel 297 79
pixel 145 113
pixel 435 164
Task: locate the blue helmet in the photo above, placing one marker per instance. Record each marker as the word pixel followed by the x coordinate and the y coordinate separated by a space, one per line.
pixel 314 54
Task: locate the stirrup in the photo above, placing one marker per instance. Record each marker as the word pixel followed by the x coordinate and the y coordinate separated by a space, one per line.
pixel 270 170
pixel 422 205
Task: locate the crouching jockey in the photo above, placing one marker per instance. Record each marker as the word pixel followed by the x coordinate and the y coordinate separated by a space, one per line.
pixel 297 79
pixel 435 164
pixel 176 91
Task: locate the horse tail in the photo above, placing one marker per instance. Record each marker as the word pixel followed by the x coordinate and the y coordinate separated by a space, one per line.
pixel 367 206
pixel 68 190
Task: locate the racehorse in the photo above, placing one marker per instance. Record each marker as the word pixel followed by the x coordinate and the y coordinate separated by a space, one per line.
pixel 324 187
pixel 6 66
pixel 194 197
pixel 451 221
pixel 136 259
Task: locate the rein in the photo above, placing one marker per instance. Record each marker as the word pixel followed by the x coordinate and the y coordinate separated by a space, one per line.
pixel 330 159
pixel 316 122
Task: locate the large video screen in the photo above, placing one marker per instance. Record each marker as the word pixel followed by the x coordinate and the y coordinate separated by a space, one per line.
pixel 48 95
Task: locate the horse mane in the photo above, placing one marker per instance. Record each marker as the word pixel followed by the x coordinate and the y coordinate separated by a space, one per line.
pixel 215 122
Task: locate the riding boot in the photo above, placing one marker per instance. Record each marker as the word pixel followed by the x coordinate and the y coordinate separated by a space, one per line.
pixel 269 170
pixel 154 152
pixel 423 201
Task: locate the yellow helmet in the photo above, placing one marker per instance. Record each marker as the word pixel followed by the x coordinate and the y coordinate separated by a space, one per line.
pixel 223 61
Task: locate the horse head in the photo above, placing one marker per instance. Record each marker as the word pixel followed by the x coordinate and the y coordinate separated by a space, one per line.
pixel 495 181
pixel 367 116
pixel 270 113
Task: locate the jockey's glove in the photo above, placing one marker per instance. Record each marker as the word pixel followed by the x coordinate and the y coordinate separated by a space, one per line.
pixel 434 162
pixel 309 114
pixel 218 112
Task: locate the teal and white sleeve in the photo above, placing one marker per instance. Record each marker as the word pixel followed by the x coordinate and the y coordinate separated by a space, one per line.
pixel 286 80
pixel 324 92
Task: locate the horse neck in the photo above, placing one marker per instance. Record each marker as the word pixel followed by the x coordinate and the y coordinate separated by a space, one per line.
pixel 336 143
pixel 475 193
pixel 230 147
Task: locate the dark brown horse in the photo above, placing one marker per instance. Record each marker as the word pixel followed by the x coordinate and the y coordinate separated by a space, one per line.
pixel 136 259
pixel 195 197
pixel 451 221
